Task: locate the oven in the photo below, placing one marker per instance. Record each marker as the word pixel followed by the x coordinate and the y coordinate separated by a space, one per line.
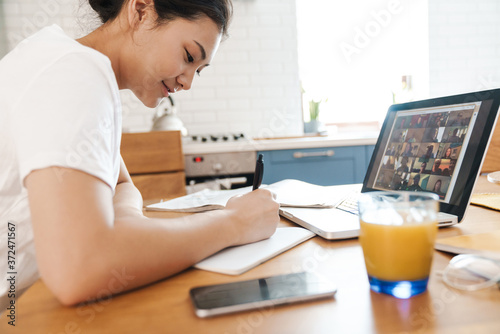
pixel 218 162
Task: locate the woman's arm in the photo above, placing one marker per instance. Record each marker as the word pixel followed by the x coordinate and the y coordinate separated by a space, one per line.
pixel 82 244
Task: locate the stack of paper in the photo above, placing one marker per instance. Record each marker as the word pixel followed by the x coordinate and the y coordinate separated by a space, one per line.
pixel 290 193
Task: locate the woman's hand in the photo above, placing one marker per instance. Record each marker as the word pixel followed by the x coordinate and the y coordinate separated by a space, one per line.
pixel 255 215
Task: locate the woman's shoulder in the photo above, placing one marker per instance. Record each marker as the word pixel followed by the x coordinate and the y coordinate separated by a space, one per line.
pixel 51 48
pixel 58 70
pixel 49 61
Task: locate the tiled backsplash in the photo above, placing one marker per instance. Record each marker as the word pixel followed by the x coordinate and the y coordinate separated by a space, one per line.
pixel 252 86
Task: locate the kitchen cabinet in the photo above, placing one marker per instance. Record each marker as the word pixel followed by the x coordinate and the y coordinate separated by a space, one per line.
pixel 155 162
pixel 323 166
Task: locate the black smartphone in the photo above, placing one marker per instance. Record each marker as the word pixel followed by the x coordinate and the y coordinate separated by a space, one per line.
pixel 257 293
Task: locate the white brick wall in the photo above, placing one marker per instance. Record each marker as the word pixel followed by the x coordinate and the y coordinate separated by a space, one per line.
pixel 252 86
pixel 464 45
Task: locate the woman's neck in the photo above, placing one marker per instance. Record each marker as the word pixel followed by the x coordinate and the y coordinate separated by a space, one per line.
pixel 108 40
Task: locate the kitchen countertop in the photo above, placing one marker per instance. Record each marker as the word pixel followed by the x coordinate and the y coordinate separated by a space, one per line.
pixel 269 144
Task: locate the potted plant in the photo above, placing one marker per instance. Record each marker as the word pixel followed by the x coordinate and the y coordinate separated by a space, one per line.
pixel 314 125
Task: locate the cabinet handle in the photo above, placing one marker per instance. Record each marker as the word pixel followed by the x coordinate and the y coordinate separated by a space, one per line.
pixel 327 153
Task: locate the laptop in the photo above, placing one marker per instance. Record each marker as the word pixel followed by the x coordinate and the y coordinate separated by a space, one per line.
pixel 436 145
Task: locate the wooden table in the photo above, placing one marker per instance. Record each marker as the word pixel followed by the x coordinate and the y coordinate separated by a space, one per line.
pixel 164 307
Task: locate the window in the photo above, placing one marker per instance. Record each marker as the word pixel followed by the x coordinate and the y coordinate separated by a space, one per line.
pixel 357 55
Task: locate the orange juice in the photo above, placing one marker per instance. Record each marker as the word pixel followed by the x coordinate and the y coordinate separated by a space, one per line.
pixel 398 252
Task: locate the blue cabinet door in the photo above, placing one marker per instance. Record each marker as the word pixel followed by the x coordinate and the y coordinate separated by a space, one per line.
pixel 323 166
pixel 369 151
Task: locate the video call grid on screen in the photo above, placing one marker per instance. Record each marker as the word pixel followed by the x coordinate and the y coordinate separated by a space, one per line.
pixel 424 149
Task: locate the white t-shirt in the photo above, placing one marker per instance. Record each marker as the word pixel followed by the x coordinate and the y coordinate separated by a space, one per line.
pixel 59 106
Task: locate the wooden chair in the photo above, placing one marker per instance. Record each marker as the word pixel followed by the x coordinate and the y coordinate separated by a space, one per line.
pixel 156 163
pixel 492 160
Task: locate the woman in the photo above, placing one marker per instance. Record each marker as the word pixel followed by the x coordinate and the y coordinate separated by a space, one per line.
pixel 408 150
pixel 447 153
pixel 63 184
pixel 437 188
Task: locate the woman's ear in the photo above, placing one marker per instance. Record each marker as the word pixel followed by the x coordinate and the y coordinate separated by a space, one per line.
pixel 139 12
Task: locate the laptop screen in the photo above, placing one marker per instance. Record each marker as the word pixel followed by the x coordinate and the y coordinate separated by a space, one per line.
pixel 425 148
pixel 435 145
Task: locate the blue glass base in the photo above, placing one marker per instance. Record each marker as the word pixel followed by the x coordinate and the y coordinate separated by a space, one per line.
pixel 398 289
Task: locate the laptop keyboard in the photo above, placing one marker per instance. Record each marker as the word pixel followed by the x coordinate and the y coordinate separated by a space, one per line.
pixel 350 203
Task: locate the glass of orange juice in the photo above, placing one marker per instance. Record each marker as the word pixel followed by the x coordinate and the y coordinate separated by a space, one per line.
pixel 397 236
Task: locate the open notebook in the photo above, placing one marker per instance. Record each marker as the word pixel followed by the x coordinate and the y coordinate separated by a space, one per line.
pixel 289 193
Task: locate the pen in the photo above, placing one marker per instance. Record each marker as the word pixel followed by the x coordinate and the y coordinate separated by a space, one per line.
pixel 259 172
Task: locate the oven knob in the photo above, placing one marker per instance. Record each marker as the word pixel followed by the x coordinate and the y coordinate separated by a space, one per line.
pixel 236 137
pixel 225 138
pixel 214 138
pixel 217 166
pixel 194 138
pixel 203 139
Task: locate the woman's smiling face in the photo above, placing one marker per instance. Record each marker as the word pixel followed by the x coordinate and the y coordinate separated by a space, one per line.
pixel 164 59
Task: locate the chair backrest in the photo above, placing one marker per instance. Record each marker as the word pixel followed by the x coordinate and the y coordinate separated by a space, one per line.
pixel 155 162
pixel 492 160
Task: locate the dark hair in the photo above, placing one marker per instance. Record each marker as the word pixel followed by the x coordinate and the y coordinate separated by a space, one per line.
pixel 219 11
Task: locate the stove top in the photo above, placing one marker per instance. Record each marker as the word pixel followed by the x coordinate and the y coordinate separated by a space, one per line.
pixel 216 143
pixel 215 138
